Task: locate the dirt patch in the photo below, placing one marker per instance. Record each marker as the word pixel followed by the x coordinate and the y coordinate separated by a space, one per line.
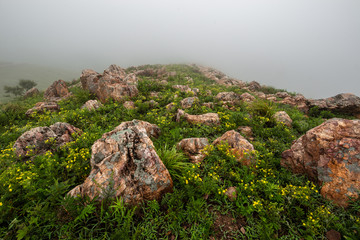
pixel 227 227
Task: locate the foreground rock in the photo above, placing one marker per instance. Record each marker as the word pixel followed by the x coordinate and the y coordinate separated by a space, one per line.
pixel 124 164
pixel 192 148
pixel 41 107
pixel 42 139
pixel 91 105
pixel 57 91
pixel 239 146
pixel 347 103
pixel 283 117
pixel 113 83
pixel 207 118
pixel 329 155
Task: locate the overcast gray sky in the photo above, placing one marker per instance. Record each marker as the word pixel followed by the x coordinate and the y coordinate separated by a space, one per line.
pixel 307 46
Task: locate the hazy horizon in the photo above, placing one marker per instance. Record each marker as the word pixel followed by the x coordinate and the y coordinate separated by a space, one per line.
pixel 309 47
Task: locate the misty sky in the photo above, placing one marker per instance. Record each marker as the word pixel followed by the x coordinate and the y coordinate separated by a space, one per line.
pixel 307 46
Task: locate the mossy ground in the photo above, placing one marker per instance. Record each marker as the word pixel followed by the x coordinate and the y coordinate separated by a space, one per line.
pixel 271 202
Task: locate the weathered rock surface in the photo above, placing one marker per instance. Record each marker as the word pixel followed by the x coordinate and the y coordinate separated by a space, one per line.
pixel 192 148
pixel 188 102
pixel 283 117
pixel 129 105
pixel 182 88
pixel 247 131
pixel 247 97
pixel 57 91
pixel 239 146
pixel 41 139
pixel 228 97
pixel 231 193
pixel 116 91
pixel 91 105
pixel 209 105
pixel 254 86
pixel 298 101
pixel 282 95
pixel 170 106
pixel 124 164
pixel 207 118
pixel 31 92
pixel 40 107
pixel 347 103
pixel 89 80
pixel 330 155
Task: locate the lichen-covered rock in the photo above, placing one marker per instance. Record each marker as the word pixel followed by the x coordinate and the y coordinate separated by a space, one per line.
pixel 57 91
pixel 192 148
pixel 188 102
pixel 124 164
pixel 41 107
pixel 329 155
pixel 247 97
pixel 89 80
pixel 239 146
pixel 347 103
pixel 42 139
pixel 228 97
pixel 129 105
pixel 116 91
pixel 91 105
pixel 283 117
pixel 31 92
pixel 207 118
pixel 298 101
pixel 116 72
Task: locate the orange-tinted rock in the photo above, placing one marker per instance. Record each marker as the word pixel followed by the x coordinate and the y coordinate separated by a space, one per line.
pixel 239 146
pixel 228 97
pixel 207 118
pixel 330 155
pixel 41 107
pixel 91 105
pixel 57 91
pixel 116 91
pixel 41 139
pixel 89 80
pixel 298 101
pixel 124 164
pixel 192 148
pixel 247 97
pixel 283 117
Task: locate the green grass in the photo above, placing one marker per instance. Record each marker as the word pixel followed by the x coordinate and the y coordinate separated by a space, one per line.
pixel 271 203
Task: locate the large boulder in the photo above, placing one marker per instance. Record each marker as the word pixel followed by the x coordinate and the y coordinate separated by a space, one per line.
pixel 347 103
pixel 41 107
pixel 239 146
pixel 42 139
pixel 192 148
pixel 207 118
pixel 329 155
pixel 89 80
pixel 124 164
pixel 116 91
pixel 57 91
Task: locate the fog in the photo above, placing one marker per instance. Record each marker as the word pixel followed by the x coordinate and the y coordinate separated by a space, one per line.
pixel 306 46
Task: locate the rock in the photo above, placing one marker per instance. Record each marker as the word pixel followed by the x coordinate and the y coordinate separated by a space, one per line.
pixel 57 91
pixel 254 86
pixel 192 148
pixel 239 146
pixel 170 106
pixel 329 155
pixel 42 139
pixel 231 193
pixel 152 103
pixel 209 105
pixel 207 118
pixel 333 235
pixel 346 103
pixel 228 97
pixel 92 105
pixel 124 164
pixel 116 91
pixel 196 91
pixel 271 98
pixel 154 94
pixel 247 97
pixel 129 105
pixel 247 131
pixel 282 95
pixel 182 88
pixel 131 79
pixel 283 117
pixel 115 72
pixel 89 80
pixel 260 95
pixel 298 101
pixel 41 107
pixel 208 93
pixel 188 102
pixel 189 80
pixel 31 92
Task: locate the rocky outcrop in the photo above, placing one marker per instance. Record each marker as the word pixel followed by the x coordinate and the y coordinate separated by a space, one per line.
pixel 228 97
pixel 239 146
pixel 41 107
pixel 57 91
pixel 188 102
pixel 207 118
pixel 91 105
pixel 124 164
pixel 346 103
pixel 329 155
pixel 31 92
pixel 42 139
pixel 283 117
pixel 192 148
pixel 113 83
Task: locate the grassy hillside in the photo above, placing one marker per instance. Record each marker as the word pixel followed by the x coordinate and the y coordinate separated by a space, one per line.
pixel 10 74
pixel 271 203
